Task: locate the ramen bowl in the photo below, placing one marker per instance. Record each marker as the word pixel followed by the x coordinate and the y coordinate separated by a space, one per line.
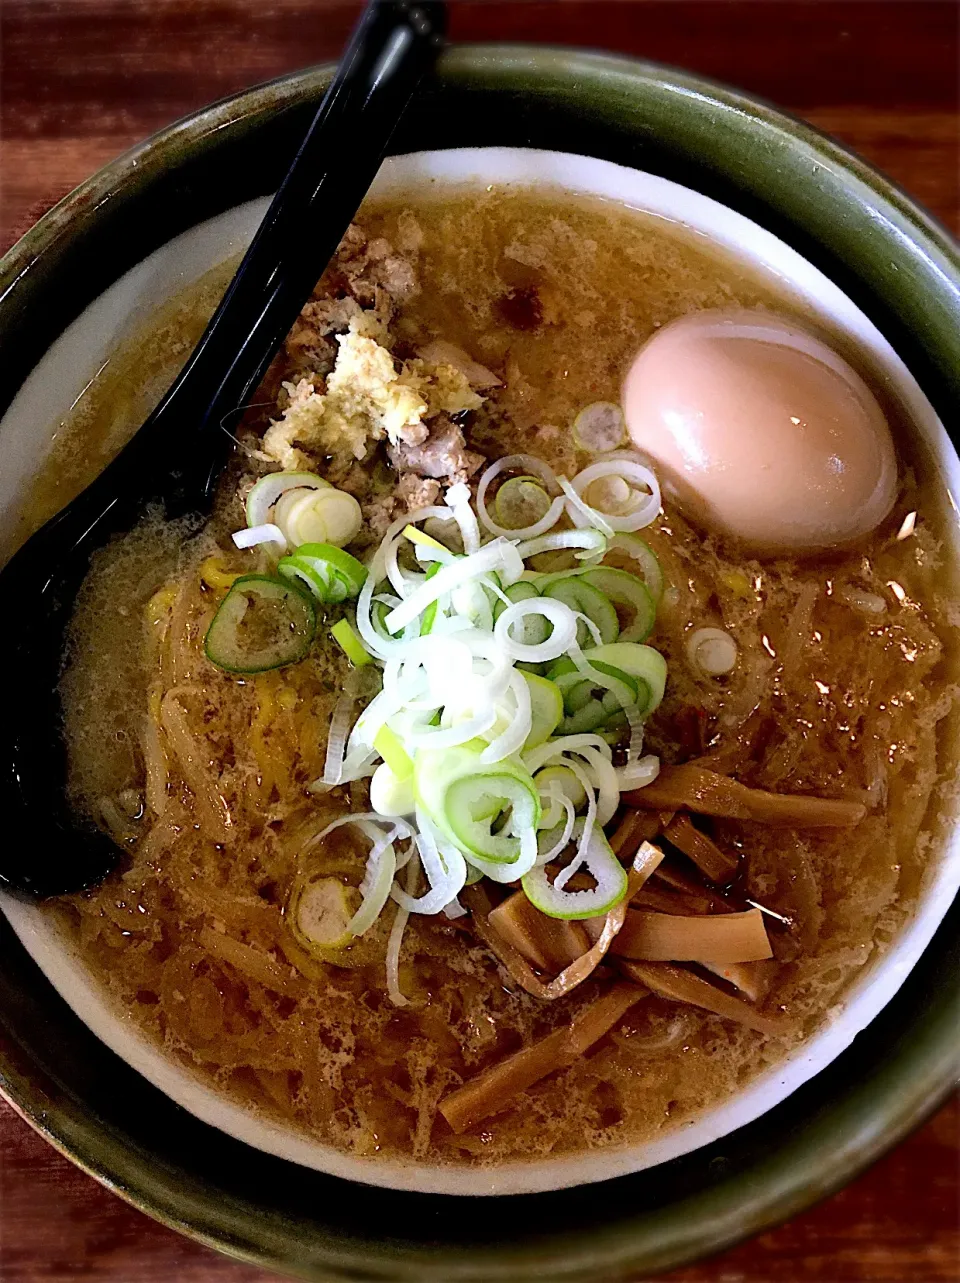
pixel 866 261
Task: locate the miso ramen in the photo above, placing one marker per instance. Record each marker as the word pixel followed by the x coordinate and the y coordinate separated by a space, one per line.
pixel 480 800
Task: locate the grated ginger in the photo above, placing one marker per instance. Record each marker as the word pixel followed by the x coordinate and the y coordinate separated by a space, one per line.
pixel 366 399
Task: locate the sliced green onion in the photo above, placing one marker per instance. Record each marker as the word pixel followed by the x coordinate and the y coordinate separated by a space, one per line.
pixel 591 716
pixel 377 881
pixel 328 572
pixel 464 799
pixel 262 623
pixel 388 745
pixel 378 614
pixel 591 542
pixel 600 862
pixel 557 614
pixel 533 469
pixel 427 548
pixel 319 909
pixel 711 651
pixel 444 866
pixel 349 641
pixel 546 710
pixel 581 513
pixel 265 493
pixel 599 427
pixel 534 629
pixel 451 679
pixel 428 619
pixel 467 804
pixel 303 573
pixel 577 689
pixel 578 695
pixel 390 795
pixel 610 494
pixel 445 531
pixel 320 914
pixel 474 601
pixel 643 664
pixel 586 709
pixel 521 502
pixel 591 712
pixel 588 600
pixel 641 552
pixel 323 516
pixel 624 589
pixel 646 504
pixel 268 533
pixel 416 535
pixel 522 590
pixel 561 779
pixel 498 555
pixel 611 703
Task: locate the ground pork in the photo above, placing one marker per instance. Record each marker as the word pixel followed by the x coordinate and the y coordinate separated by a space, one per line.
pixel 377 514
pixel 372 265
pixel 347 387
pixel 443 454
pixel 410 493
pixel 363 285
pixel 309 345
pixel 417 492
pixel 366 398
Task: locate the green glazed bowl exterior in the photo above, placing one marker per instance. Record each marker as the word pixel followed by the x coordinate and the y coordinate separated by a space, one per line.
pixel 904 272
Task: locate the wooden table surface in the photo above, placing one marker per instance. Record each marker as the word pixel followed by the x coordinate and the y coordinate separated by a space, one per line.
pixel 81 80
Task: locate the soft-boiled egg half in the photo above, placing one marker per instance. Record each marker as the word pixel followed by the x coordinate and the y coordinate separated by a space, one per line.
pixel 760 431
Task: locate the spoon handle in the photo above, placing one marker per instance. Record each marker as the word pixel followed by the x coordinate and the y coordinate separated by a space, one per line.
pixel 394 43
pixel 48 850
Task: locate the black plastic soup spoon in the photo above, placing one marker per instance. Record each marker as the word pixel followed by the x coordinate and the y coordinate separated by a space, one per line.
pixel 177 454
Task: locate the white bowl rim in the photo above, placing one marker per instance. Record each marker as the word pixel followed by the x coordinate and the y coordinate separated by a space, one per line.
pixel 43 400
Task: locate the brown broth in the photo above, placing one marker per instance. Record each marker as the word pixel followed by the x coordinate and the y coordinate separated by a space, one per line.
pixel 118 399
pixel 557 294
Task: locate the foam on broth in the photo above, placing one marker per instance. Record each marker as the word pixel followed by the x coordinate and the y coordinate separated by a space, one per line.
pixel 326 1051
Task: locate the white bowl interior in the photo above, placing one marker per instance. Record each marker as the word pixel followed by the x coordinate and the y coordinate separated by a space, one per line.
pixel 75 358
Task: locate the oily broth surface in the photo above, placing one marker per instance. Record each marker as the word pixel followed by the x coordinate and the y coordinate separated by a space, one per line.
pixel 118 398
pixel 851 702
pixel 605 280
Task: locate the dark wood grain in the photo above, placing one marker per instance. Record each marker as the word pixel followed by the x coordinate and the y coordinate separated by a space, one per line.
pixel 84 79
pixel 897 1223
pixel 81 80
